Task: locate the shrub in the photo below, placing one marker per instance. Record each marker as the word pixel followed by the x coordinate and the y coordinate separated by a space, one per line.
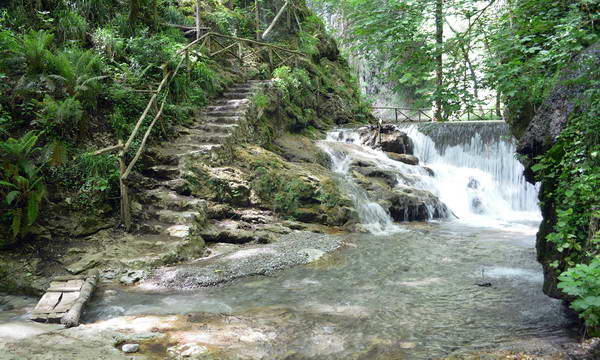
pixel 34 51
pixel 70 26
pixel 583 283
pixel 22 188
pixel 61 119
pixel 78 71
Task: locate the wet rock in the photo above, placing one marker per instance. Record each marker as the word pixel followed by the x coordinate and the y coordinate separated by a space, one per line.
pixel 310 215
pixel 429 170
pixel 289 251
pixel 130 348
pixel 88 261
pixel 388 176
pixel 132 277
pixel 396 141
pixel 216 234
pixel 188 351
pixel 473 183
pixel 415 205
pixel 404 158
pixel 477 205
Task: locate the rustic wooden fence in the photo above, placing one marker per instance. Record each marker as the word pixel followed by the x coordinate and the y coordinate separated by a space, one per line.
pixel 208 45
pixel 399 114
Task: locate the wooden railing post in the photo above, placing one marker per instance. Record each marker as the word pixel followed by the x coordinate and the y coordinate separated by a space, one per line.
pixel 124 205
pixel 396 114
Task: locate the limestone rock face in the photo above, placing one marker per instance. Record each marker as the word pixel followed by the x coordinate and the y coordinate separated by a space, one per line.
pixel 551 117
pixel 542 129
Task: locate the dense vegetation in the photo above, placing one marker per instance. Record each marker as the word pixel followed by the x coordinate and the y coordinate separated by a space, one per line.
pixel 517 51
pixel 78 74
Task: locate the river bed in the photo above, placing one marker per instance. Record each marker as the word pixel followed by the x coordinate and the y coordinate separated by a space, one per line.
pixel 409 295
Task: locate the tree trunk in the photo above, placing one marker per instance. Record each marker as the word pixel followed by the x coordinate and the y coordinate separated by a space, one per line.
pixel 134 13
pixel 257 14
pixel 439 71
pixel 198 23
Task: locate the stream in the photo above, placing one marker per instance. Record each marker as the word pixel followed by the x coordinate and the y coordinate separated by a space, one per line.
pixel 418 290
pixel 406 291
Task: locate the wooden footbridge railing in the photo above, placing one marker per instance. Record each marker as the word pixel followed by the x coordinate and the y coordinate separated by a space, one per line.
pixel 208 45
pixel 399 114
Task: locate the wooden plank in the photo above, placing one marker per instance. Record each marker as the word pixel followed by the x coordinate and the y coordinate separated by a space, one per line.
pixel 66 286
pixel 47 302
pixel 70 277
pixel 66 302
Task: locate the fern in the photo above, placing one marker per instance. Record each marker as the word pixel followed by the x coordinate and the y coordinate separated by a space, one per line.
pixel 22 187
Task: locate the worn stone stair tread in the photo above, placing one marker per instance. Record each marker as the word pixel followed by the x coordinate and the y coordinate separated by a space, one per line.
pixel 172 199
pixel 218 128
pixel 162 171
pixel 218 119
pixel 207 138
pixel 177 217
pixel 223 113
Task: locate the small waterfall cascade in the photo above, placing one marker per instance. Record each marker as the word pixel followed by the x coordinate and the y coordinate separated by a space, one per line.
pixel 476 172
pixel 373 217
pixel 476 177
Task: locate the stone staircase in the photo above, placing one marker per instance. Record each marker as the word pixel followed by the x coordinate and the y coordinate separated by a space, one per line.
pixel 167 207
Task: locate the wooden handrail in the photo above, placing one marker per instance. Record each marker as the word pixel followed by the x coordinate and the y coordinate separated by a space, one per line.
pixel 472 115
pixel 122 148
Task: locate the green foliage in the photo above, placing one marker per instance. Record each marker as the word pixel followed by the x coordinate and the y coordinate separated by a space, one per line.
pixel 571 173
pixel 76 72
pixel 583 283
pixel 282 191
pixel 61 119
pixel 70 26
pixel 533 40
pixel 22 188
pixel 34 51
pixel 94 181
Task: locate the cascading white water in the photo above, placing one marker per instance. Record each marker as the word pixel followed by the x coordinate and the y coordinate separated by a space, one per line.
pixel 373 217
pixel 475 175
pixel 479 179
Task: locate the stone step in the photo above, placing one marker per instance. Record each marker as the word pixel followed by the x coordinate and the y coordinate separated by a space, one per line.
pixel 206 138
pixel 218 128
pixel 176 217
pixel 228 107
pixel 220 113
pixel 164 198
pixel 157 227
pixel 237 95
pixel 218 120
pixel 162 172
pixel 180 186
pixel 231 102
pixel 190 150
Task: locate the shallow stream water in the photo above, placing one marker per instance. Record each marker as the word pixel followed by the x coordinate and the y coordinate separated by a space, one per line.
pixel 410 295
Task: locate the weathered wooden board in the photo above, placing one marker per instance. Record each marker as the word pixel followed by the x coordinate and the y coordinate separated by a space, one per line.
pixel 67 300
pixel 65 296
pixel 66 286
pixel 47 303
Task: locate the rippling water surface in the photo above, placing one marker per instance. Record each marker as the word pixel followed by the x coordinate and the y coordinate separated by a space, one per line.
pixel 413 294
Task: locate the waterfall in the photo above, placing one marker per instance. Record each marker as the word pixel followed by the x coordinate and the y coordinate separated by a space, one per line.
pixel 476 172
pixel 475 175
pixel 373 217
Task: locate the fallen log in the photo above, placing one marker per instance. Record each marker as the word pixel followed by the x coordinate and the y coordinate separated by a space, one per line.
pixel 71 318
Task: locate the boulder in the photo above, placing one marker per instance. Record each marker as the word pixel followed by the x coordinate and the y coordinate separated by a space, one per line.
pixel 404 158
pixel 415 205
